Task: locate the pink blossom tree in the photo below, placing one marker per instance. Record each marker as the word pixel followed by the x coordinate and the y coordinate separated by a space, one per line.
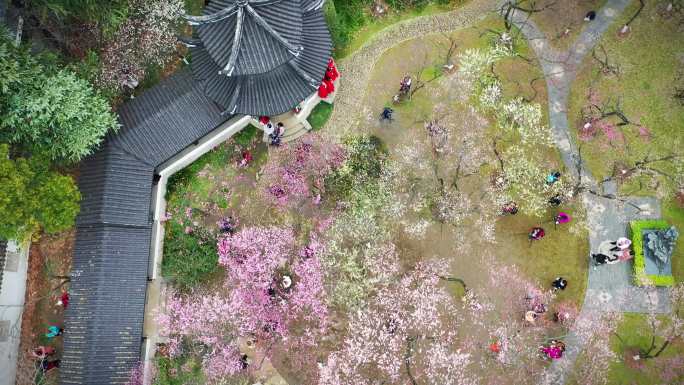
pixel 271 283
pixel 295 172
pixel 508 324
pixel 198 320
pixel 269 286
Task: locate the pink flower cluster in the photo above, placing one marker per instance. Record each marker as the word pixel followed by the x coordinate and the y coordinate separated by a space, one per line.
pixel 270 284
pixel 257 260
pixel 207 320
pixel 297 171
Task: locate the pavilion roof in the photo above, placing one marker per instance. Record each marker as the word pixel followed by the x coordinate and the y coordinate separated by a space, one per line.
pixel 260 57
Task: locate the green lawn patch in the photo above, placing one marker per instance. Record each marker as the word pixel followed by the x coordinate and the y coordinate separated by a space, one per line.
pixel 320 115
pixel 640 277
pixel 351 24
pixel 178 371
pixel 245 137
pixel 635 333
pixel 189 258
pixel 560 253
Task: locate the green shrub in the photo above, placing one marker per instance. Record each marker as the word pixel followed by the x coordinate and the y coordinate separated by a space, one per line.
pixel 188 258
pixel 33 197
pixel 107 14
pixel 366 157
pixel 181 370
pixel 636 233
pixel 344 18
pixel 246 136
pixel 320 115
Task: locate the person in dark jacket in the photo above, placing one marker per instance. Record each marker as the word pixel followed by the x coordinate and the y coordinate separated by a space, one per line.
pixel 559 283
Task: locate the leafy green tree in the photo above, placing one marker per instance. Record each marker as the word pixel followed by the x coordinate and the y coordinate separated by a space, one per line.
pixel 32 197
pixel 106 14
pixel 54 113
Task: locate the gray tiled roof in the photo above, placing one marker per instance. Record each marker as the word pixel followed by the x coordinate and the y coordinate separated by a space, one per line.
pixel 259 51
pixel 104 320
pixel 166 119
pixel 278 90
pixel 115 188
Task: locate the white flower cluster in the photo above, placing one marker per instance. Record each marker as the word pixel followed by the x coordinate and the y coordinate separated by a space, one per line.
pixel 416 229
pixel 490 96
pixel 526 180
pixel 526 119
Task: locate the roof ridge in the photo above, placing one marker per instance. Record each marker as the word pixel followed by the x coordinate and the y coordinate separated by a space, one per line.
pixel 239 9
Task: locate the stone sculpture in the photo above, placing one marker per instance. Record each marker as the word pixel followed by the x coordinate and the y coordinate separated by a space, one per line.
pixel 660 245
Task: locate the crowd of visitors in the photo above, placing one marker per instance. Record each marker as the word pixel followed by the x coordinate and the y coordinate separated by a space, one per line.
pixel 44 354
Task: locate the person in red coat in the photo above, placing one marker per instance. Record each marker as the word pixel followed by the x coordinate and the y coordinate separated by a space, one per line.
pixel 323 91
pixel 331 73
pixel 330 85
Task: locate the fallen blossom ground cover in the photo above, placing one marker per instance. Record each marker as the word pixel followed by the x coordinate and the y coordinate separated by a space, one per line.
pixel 382 255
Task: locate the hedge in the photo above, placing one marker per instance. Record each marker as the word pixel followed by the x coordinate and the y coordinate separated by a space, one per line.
pixel 640 277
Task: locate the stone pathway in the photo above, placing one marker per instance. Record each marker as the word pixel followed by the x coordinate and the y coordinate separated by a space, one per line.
pixel 609 287
pixel 356 69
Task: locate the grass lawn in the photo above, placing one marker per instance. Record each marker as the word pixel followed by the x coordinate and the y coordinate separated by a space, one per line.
pixel 559 253
pixel 369 25
pixel 668 368
pixel 651 62
pixel 674 215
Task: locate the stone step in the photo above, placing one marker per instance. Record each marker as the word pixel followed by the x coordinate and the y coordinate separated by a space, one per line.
pixel 294 133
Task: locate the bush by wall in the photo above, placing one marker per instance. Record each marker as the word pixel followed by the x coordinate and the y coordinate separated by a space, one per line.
pixel 189 258
pixel 640 276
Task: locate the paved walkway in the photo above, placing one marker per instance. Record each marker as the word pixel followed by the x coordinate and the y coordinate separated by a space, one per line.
pixel 609 287
pixel 11 309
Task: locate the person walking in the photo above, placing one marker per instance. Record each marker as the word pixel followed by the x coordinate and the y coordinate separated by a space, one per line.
pixel 559 283
pixel 536 234
pixel 54 331
pixel 43 352
pixel 47 365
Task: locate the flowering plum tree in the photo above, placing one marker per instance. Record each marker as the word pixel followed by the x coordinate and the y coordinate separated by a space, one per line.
pixel 269 285
pixel 296 172
pixel 525 174
pixel 406 333
pixel 147 37
pixel 204 321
